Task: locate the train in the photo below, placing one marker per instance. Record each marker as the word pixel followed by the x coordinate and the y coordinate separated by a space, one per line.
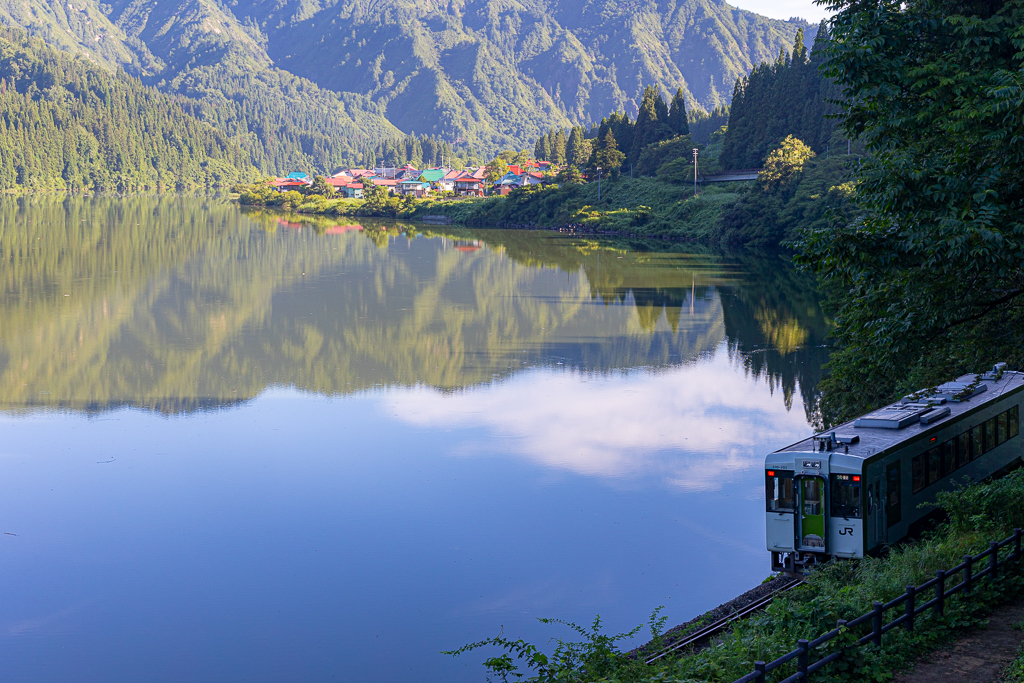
pixel 853 490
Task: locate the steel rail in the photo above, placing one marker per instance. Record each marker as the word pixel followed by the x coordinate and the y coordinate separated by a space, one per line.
pixel 720 624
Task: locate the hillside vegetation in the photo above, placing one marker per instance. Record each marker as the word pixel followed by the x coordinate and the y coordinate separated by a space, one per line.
pixel 65 124
pixel 311 86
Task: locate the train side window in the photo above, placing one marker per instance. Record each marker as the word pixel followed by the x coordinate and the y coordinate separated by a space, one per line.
pixel 990 434
pixel 963 449
pixel 977 441
pixel 934 466
pixel 1013 420
pixel 948 457
pixel 779 490
pixel 846 495
pixel 917 474
pixel 1001 427
pixel 893 509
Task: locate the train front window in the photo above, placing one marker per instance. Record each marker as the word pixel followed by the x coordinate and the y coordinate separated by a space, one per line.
pixel 779 490
pixel 846 495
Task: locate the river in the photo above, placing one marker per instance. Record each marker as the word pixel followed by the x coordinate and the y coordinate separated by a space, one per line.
pixel 235 446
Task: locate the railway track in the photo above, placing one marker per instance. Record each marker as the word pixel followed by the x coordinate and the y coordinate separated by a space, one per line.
pixel 719 625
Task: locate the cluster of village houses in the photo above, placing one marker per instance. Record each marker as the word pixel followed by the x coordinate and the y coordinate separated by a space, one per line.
pixel 407 180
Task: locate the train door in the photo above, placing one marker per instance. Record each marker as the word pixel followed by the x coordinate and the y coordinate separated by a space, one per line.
pixel 876 510
pixel 812 514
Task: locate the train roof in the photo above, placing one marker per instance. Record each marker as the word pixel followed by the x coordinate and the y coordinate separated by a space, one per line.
pixel 904 421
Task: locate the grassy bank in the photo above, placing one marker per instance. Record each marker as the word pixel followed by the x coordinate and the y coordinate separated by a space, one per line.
pixel 639 206
pixel 738 214
pixel 643 206
pixel 841 590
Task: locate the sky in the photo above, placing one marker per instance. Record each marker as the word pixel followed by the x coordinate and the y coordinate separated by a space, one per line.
pixel 783 9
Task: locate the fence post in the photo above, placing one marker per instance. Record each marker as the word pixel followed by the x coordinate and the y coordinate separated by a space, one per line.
pixel 801 659
pixel 759 669
pixel 940 592
pixel 908 623
pixel 876 623
pixel 1016 545
pixel 993 561
pixel 968 561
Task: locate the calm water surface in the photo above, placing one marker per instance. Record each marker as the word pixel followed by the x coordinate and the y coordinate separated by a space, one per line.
pixel 234 447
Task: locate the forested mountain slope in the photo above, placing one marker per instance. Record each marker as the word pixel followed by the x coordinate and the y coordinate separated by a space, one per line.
pixel 501 72
pixel 65 123
pixel 490 73
pixel 200 49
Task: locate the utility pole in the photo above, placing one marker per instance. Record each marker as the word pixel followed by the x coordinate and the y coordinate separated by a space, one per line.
pixel 694 171
pixel 598 183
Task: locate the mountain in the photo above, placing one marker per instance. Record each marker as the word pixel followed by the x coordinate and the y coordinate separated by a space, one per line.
pixel 68 124
pixel 498 73
pixel 199 49
pixel 310 83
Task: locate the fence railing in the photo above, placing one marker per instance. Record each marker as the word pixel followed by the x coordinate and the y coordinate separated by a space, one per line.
pixel 910 609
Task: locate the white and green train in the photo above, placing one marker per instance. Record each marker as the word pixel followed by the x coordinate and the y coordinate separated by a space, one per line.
pixel 850 491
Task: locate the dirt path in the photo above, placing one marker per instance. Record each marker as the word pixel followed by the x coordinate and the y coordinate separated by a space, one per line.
pixel 977 658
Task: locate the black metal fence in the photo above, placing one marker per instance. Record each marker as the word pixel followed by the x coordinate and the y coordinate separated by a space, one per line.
pixel 909 610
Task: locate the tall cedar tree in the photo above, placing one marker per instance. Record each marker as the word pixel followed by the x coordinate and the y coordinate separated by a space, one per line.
pixel 787 97
pixel 558 147
pixel 607 155
pixel 677 120
pixel 651 122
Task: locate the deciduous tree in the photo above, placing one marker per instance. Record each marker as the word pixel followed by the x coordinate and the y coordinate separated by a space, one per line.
pixel 928 279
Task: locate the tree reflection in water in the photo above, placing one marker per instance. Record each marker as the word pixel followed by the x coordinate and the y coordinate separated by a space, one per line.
pixel 184 303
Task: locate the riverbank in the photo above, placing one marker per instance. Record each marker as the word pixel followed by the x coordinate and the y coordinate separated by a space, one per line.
pixel 977 515
pixel 735 214
pixel 628 206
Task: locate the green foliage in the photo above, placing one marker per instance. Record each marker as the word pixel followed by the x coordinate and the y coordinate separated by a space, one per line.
pixel 678 149
pixel 578 148
pixel 774 213
pixel 926 279
pixel 68 124
pixel 425 150
pixel 677 120
pixel 570 176
pixel 784 163
pixel 321 187
pixel 788 97
pixel 607 155
pixel 651 123
pixel 703 124
pixel 496 170
pixel 596 657
pixel 631 206
pixel 1014 673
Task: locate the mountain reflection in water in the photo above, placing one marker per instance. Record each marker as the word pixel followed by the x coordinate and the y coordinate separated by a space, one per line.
pixel 445 433
pixel 178 304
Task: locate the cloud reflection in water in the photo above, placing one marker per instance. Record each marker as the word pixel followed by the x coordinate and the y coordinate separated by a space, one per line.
pixel 695 426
